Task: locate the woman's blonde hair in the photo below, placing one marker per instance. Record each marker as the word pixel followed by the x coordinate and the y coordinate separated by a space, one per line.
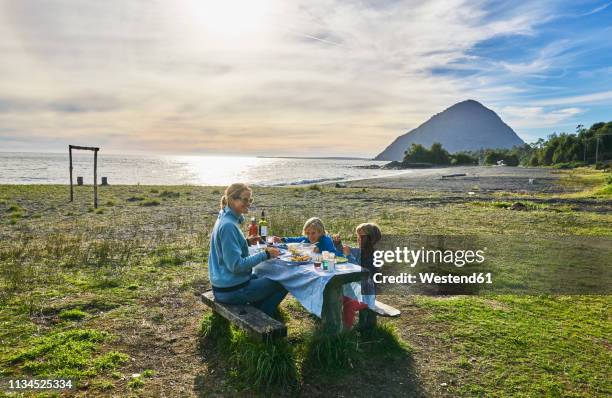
pixel 370 229
pixel 234 191
pixel 314 223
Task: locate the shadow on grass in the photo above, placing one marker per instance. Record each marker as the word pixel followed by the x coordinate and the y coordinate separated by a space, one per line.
pixel 375 362
pixel 264 367
pixel 367 363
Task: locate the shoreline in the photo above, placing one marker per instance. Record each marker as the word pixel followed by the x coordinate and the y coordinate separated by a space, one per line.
pixel 465 180
pixel 476 178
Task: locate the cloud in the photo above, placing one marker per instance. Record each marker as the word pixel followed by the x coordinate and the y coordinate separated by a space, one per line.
pixel 596 9
pixel 538 117
pixel 553 55
pixel 286 78
pixel 79 103
pixel 578 99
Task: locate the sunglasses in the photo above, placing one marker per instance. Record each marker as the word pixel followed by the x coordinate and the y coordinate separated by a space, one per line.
pixel 246 200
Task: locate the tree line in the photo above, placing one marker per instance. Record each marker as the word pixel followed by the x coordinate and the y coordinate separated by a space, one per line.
pixel 584 147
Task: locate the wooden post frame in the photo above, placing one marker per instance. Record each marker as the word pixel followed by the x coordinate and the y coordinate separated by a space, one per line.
pixel 95 173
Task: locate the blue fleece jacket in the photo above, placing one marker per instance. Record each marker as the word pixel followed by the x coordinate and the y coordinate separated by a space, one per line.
pixel 325 243
pixel 229 263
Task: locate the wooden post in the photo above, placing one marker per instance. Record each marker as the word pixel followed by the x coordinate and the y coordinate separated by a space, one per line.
pixel 367 319
pixel 70 157
pixel 331 315
pixel 96 178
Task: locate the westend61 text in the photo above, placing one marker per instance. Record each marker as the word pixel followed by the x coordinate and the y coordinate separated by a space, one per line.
pixel 430 277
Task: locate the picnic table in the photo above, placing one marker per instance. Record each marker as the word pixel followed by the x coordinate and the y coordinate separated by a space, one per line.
pixel 320 292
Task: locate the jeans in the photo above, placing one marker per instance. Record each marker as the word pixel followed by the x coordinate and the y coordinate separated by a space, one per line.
pixel 262 293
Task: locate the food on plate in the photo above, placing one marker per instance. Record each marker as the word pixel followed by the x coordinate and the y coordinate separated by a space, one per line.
pixel 298 258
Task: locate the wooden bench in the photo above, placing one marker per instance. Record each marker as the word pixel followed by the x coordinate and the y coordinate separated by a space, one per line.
pixel 256 322
pixel 368 316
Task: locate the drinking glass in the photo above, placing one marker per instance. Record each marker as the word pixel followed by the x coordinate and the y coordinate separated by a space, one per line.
pixel 331 257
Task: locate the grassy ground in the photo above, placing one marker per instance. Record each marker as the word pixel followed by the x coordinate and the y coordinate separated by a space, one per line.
pixel 111 295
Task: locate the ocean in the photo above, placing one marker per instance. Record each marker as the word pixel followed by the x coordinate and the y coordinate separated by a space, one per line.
pixel 52 168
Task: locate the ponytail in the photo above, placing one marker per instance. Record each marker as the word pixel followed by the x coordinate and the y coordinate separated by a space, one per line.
pixel 223 202
pixel 233 191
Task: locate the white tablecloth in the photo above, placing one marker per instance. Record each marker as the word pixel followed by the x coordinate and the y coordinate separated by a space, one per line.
pixel 304 282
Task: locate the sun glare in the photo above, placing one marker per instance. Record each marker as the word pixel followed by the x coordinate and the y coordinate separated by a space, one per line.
pixel 231 19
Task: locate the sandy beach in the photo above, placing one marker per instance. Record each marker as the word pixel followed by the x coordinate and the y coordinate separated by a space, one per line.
pixel 476 179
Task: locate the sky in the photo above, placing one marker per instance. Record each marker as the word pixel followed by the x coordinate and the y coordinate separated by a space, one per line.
pixel 302 78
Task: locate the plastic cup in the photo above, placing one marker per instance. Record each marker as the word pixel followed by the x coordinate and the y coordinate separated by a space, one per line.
pixel 331 260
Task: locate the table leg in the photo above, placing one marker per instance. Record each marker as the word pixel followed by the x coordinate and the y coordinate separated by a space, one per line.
pixel 331 314
pixel 367 319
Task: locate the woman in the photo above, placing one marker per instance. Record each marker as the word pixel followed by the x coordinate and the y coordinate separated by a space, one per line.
pixel 229 263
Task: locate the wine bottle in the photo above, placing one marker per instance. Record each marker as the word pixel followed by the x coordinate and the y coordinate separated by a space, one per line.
pixel 263 226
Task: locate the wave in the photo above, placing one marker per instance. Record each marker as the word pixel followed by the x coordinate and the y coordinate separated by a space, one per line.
pixel 306 182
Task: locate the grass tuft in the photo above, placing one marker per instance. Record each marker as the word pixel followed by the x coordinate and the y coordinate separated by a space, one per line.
pixel 169 194
pixel 74 314
pixel 15 209
pixel 110 360
pixel 68 354
pixel 333 353
pixel 136 383
pixel 265 366
pixel 107 282
pixel 216 329
pixel 102 385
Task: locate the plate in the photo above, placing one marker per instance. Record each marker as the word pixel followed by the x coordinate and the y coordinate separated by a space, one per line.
pixel 341 260
pixel 287 259
pixel 254 250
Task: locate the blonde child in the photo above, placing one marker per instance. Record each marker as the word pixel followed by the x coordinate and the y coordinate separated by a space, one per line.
pixel 313 232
